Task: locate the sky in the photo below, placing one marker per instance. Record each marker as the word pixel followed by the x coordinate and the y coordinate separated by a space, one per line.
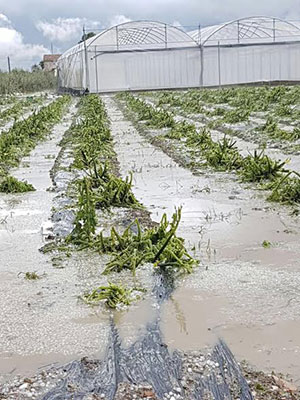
pixel 28 28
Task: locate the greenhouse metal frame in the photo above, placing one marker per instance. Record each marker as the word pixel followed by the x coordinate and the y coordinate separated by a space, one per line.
pixel 150 55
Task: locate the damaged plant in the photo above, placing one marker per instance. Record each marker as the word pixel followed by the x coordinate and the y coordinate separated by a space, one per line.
pixel 159 246
pixel 259 167
pixel 10 184
pixel 112 295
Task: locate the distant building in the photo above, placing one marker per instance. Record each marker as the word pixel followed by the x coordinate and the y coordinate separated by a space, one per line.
pixel 49 61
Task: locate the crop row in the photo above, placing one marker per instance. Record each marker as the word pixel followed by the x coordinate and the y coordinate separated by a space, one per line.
pixel 250 99
pixel 240 108
pixel 18 107
pixel 102 189
pixel 221 155
pixel 23 136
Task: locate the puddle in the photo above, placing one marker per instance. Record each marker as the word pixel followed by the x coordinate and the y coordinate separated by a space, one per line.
pixel 188 321
pixel 240 288
pixel 25 365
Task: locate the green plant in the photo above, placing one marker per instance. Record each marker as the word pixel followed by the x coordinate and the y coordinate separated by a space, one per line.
pixel 286 189
pixel 266 244
pixel 236 115
pixel 259 167
pixel 223 155
pixel 18 107
pixel 116 193
pixel 12 185
pixel 113 295
pixel 26 82
pixel 181 130
pixel 30 276
pixel 24 134
pixel 155 118
pixel 201 139
pixel 85 221
pixel 159 246
pixel 169 98
pixel 273 131
pixel 93 153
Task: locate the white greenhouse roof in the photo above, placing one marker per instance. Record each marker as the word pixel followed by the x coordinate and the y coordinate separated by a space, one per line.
pixel 136 35
pixel 248 30
pixel 147 35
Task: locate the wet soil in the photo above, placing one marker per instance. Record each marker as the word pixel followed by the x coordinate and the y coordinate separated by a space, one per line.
pixel 245 135
pixel 244 293
pixel 35 329
pixel 241 292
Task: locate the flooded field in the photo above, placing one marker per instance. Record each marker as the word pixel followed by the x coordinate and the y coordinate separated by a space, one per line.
pixel 235 280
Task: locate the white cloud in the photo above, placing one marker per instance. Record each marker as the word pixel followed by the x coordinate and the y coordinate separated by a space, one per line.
pixel 65 29
pixel 12 44
pixel 117 20
pixel 70 29
pixel 4 21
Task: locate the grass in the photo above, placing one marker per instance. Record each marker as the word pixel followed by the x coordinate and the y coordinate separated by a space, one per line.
pixel 20 81
pixel 12 185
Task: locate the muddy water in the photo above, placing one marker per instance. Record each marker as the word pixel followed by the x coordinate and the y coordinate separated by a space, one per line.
pixel 242 292
pixel 40 321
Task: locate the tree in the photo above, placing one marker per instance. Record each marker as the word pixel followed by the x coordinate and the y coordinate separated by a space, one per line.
pixel 87 36
pixel 35 68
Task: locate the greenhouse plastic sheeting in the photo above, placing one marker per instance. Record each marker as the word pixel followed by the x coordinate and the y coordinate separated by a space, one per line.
pixel 149 55
pixel 145 70
pixel 246 64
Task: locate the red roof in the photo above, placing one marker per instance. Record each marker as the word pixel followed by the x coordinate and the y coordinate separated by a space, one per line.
pixel 51 57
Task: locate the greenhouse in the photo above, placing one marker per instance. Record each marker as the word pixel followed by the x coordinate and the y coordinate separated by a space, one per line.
pixel 132 56
pixel 149 55
pixel 249 50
